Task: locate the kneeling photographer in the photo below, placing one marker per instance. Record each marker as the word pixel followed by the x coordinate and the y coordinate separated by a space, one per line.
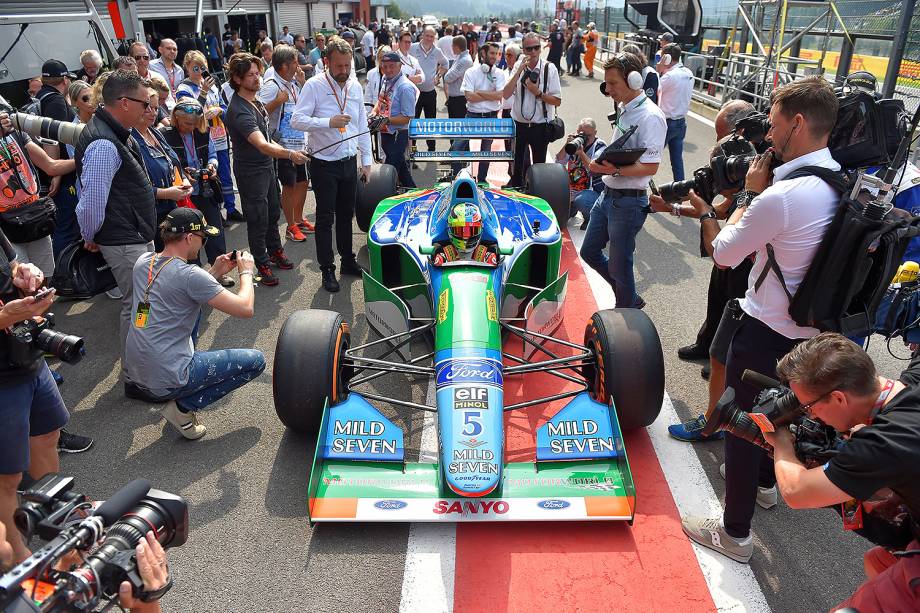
pixel 576 155
pixel 874 475
pixel 783 219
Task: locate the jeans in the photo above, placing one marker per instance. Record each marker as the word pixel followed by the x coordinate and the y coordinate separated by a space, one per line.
pixel 226 179
pixel 428 103
pixel 67 230
pixel 464 145
pixel 214 374
pixel 335 185
pixel 532 136
pixel 121 259
pixel 583 202
pixel 261 199
pixel 757 347
pixel 394 149
pixel 677 130
pixel 615 219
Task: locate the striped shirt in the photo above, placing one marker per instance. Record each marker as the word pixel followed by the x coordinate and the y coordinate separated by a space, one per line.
pixel 100 163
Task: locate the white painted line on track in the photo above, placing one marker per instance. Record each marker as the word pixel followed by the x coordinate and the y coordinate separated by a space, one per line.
pixel 428 578
pixel 732 585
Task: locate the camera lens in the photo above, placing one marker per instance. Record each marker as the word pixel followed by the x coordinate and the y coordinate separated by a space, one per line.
pixel 676 191
pixel 728 417
pixel 574 145
pixel 65 347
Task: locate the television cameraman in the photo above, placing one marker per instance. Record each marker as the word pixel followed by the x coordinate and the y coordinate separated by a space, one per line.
pixel 787 217
pixel 875 474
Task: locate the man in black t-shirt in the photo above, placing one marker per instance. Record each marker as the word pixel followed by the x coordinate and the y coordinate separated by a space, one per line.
pixel 876 470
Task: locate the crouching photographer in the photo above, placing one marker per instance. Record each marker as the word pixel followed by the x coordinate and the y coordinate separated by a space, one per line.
pixel 576 155
pixel 874 475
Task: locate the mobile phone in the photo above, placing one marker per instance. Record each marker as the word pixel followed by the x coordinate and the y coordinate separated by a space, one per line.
pixel 233 255
pixel 42 293
pixel 205 74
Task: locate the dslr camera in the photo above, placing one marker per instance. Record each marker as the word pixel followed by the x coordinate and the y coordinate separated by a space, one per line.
pixel 725 172
pixel 104 538
pixel 775 407
pixel 576 143
pixel 31 336
pixel 203 176
pixel 533 75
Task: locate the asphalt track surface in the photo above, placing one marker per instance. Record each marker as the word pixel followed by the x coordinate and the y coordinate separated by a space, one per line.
pixel 251 548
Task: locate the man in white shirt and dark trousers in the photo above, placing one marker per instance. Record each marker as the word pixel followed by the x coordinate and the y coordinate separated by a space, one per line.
pixel 368 47
pixel 433 65
pixel 789 217
pixel 331 109
pixel 482 86
pixel 674 92
pixel 620 212
pixel 537 92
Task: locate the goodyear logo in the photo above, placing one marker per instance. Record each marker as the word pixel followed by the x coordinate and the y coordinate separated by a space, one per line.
pixel 491 307
pixel 442 305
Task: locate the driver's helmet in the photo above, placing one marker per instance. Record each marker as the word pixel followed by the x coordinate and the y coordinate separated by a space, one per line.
pixel 465 226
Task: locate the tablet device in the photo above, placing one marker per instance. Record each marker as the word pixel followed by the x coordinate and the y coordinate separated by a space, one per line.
pixel 621 157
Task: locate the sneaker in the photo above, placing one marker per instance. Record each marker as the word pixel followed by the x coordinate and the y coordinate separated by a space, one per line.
pixel 73 443
pixel 295 234
pixel 279 259
pixel 58 379
pixel 306 227
pixel 710 533
pixel 766 496
pixel 236 216
pixel 330 284
pixel 115 294
pixel 705 371
pixel 693 352
pixel 226 281
pixel 351 267
pixel 186 423
pixel 691 431
pixel 266 276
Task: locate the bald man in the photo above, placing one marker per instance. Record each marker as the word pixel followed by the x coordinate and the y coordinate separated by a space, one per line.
pixel 166 67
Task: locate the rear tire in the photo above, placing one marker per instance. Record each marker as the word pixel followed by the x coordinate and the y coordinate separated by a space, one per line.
pixel 381 184
pixel 308 367
pixel 629 365
pixel 550 182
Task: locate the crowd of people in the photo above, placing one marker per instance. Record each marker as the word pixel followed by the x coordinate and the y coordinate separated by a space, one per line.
pixel 166 147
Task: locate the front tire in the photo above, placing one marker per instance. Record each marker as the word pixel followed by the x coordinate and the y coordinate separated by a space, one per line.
pixel 381 184
pixel 308 367
pixel 629 365
pixel 550 182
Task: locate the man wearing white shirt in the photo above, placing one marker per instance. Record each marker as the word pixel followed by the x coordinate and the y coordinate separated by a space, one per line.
pixel 410 66
pixel 446 45
pixel 783 220
pixel 483 86
pixel 166 67
pixel 367 46
pixel 433 65
pixel 286 37
pixel 620 212
pixel 331 109
pixel 674 92
pixel 537 92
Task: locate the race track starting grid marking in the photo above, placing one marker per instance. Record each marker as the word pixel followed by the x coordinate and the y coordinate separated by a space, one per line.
pixel 583 566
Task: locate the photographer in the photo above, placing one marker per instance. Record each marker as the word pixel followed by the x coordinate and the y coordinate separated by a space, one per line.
pixel 584 186
pixel 161 363
pixel 619 214
pixel 875 475
pixel 786 220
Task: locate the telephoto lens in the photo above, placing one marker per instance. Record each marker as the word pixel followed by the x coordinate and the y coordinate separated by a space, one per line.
pixel 65 347
pixel 44 127
pixel 676 191
pixel 575 144
pixel 728 417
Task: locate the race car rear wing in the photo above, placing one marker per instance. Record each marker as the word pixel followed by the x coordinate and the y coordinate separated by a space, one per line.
pixel 461 129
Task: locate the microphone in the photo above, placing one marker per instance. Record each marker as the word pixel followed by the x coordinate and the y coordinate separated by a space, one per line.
pixel 122 501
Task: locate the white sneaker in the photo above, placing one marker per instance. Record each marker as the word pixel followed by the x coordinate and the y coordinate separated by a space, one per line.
pixel 115 293
pixel 710 533
pixel 766 496
pixel 186 423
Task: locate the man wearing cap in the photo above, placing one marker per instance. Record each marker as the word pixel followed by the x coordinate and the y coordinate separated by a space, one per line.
pixel 52 103
pixel 117 209
pixel 349 38
pixel 664 40
pixel 398 100
pixel 161 361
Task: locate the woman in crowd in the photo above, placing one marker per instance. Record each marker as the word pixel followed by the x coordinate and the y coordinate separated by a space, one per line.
pixel 567 45
pixel 188 137
pixel 591 40
pixel 80 94
pixel 202 88
pixel 162 89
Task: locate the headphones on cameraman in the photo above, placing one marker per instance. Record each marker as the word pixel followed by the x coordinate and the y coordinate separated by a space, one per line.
pixel 634 78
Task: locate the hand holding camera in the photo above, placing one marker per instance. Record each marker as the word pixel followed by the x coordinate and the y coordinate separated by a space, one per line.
pixel 6 125
pixel 760 173
pixel 244 261
pixel 575 142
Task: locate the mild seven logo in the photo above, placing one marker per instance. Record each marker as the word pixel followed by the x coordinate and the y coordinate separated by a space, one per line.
pixel 469 371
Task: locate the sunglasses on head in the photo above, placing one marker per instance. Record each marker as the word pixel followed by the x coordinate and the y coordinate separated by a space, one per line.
pixel 190 109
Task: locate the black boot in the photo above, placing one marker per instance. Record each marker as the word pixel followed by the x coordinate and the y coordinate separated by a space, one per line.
pixel 330 284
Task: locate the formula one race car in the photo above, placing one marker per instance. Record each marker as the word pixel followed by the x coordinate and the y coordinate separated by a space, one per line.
pixel 484 319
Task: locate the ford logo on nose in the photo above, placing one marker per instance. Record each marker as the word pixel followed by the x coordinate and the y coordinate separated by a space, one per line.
pixel 390 505
pixel 469 371
pixel 553 504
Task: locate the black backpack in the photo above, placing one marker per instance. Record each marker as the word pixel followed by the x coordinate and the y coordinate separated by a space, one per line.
pixel 853 266
pixel 80 274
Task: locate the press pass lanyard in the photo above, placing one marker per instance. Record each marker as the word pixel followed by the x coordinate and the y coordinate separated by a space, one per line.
pixel 339 103
pixel 882 397
pixel 143 308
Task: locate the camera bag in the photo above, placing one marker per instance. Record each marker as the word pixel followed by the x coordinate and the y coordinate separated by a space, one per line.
pixel 555 128
pixel 853 266
pixel 81 274
pixel 29 222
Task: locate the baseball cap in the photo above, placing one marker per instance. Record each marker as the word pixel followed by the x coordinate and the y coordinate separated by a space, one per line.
pixel 667 37
pixel 183 220
pixel 392 56
pixel 56 68
pixel 348 34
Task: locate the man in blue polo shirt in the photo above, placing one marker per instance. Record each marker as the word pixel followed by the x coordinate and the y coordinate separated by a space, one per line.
pixel 397 103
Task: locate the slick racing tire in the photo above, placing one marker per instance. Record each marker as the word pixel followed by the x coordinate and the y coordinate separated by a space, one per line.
pixel 628 366
pixel 308 367
pixel 381 183
pixel 550 182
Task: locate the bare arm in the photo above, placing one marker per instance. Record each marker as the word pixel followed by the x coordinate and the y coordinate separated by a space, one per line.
pixel 52 166
pixel 272 150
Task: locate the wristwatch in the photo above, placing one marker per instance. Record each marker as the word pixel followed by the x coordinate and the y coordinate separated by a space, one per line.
pixel 745 197
pixel 709 215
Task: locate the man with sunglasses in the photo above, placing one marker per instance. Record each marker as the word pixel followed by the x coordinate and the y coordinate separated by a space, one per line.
pixel 537 93
pixel 875 475
pixel 142 57
pixel 117 207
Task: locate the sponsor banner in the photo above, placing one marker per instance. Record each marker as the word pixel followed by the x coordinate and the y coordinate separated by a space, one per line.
pixel 581 430
pixel 468 371
pixel 355 430
pixel 461 128
pixel 471 509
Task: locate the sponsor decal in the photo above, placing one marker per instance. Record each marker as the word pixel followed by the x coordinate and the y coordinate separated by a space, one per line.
pixel 471 398
pixel 471 507
pixel 357 427
pixel 583 428
pixel 490 306
pixel 473 443
pixel 473 454
pixel 442 305
pixel 391 505
pixel 553 504
pixel 469 371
